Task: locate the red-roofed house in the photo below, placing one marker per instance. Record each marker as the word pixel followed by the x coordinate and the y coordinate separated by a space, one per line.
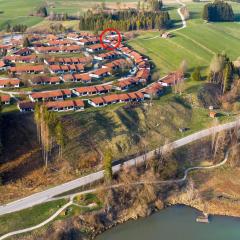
pixel 9 82
pixel 5 99
pixel 100 73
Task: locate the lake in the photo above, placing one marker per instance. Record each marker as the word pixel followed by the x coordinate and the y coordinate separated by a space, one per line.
pixel 175 223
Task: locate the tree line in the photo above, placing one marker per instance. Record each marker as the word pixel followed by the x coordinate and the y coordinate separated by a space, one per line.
pixel 16 28
pixel 221 72
pixel 218 11
pixel 49 131
pixel 125 20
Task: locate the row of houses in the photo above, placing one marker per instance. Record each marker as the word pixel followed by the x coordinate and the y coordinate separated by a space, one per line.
pixel 9 82
pixel 61 69
pixel 116 98
pixel 58 49
pixel 57 106
pixel 67 61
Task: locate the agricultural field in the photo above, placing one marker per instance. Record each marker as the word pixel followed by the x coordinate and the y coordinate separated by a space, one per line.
pixel 18 11
pixel 197 43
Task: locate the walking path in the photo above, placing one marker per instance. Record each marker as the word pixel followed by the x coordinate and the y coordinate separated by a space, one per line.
pixel 184 23
pixel 110 187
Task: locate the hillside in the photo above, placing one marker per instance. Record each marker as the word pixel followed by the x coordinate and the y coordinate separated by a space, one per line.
pixel 127 131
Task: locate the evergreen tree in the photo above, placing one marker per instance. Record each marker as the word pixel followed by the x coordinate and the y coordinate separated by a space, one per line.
pixel 26 42
pixel 196 74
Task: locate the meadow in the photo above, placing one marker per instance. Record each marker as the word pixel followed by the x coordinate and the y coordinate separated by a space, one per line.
pixel 18 11
pixel 197 43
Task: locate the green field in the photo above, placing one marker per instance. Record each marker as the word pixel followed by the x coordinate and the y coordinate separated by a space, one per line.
pixel 18 11
pixel 197 43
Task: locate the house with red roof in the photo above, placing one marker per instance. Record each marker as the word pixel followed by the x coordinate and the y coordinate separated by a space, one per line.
pixel 116 98
pixel 107 55
pixel 100 73
pixel 23 52
pixel 94 48
pixel 44 80
pixel 26 106
pixel 27 69
pixel 92 90
pixel 67 105
pixel 54 95
pixel 9 83
pixel 5 99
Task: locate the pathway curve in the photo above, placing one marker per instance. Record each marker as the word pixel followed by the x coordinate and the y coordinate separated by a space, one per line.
pixel 184 23
pixel 40 224
pixel 186 172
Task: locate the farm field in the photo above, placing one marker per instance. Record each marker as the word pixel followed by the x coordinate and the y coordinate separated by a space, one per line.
pixel 17 11
pixel 197 43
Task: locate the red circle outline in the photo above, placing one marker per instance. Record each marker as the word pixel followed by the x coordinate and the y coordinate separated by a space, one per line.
pixel 107 46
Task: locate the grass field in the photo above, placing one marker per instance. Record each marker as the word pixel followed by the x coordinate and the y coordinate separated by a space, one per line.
pixel 197 43
pixel 17 11
pixel 28 217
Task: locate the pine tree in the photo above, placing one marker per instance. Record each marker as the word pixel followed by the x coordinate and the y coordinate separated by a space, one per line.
pixel 26 42
pixel 196 74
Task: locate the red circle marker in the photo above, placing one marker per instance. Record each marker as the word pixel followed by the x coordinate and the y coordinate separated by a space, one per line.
pixel 106 46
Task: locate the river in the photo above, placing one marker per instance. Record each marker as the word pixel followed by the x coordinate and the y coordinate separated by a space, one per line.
pixel 175 223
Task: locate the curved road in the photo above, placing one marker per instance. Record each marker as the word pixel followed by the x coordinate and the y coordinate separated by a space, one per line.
pixel 48 194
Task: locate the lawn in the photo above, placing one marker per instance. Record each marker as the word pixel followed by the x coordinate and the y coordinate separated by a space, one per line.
pixel 28 217
pixel 17 12
pixel 197 43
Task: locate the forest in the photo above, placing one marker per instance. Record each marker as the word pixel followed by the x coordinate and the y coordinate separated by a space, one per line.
pixel 127 20
pixel 218 11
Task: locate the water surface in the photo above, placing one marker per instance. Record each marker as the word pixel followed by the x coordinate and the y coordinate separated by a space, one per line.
pixel 175 223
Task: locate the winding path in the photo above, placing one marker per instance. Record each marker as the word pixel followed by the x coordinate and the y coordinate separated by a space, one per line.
pixel 184 23
pixel 186 172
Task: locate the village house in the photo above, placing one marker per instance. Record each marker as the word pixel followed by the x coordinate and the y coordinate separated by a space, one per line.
pixel 27 69
pixel 81 77
pixel 67 105
pixel 61 69
pixel 116 64
pixel 26 106
pixel 67 61
pixel 100 73
pixel 124 84
pixel 172 79
pixel 58 49
pixel 9 83
pixel 5 99
pixel 107 56
pixel 92 90
pixel 116 98
pixel 20 59
pixel 43 80
pixel 61 42
pixel 143 75
pixel 155 90
pixel 54 95
pixel 23 52
pixel 94 48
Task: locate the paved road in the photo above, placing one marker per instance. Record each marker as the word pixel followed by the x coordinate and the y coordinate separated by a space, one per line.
pixel 47 195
